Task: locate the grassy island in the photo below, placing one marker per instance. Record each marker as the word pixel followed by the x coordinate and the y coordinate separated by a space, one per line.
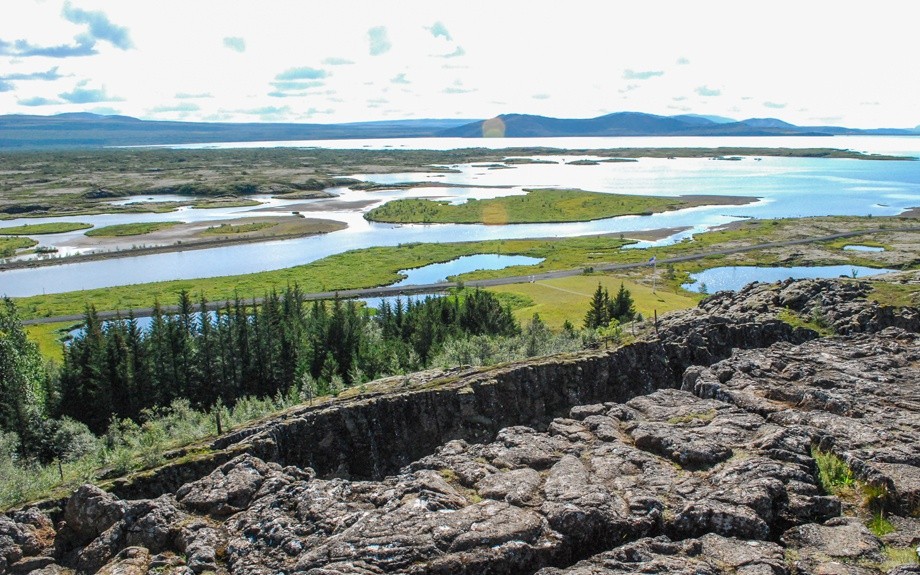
pixel 135 229
pixel 41 229
pixel 539 206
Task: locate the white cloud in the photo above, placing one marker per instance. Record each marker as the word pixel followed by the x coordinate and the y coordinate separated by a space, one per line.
pixel 629 74
pixel 707 91
pixel 379 40
pixel 500 53
pixel 439 30
pixel 235 43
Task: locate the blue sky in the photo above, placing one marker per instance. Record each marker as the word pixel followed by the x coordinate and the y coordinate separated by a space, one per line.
pixel 814 62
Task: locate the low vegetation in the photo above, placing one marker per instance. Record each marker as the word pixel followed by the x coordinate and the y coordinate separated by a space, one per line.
pixel 536 206
pixel 124 447
pixel 834 475
pixel 72 182
pixel 361 268
pixel 9 246
pixel 378 266
pixel 134 229
pixel 124 396
pixel 815 321
pixel 225 203
pixel 50 337
pixel 40 229
pixel 896 294
pixel 565 299
pixel 233 229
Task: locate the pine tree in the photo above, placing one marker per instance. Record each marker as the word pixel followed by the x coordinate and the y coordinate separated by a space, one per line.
pixel 622 307
pixel 599 310
pixel 206 382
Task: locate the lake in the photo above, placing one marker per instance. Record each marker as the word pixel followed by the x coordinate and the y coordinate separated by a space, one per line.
pixel 736 277
pixel 787 187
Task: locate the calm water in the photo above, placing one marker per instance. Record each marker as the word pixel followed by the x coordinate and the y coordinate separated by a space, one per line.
pixel 736 277
pixel 785 187
pixel 435 273
pixel 863 249
pixel 431 273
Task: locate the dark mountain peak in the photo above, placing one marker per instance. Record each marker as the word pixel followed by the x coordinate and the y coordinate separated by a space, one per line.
pixel 768 123
pixel 78 116
pixel 83 129
pixel 90 117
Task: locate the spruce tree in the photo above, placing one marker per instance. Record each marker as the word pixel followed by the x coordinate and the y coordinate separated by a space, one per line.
pixel 622 307
pixel 599 310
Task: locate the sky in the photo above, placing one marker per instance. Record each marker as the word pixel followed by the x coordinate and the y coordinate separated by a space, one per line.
pixel 811 62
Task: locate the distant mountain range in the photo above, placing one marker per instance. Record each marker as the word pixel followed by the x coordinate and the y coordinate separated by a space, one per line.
pixel 639 124
pixel 91 130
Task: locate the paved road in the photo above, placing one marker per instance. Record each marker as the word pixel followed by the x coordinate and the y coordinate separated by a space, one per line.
pixel 443 286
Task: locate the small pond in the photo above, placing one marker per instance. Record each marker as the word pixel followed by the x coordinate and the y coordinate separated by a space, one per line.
pixel 857 248
pixel 435 273
pixel 736 277
pixel 432 273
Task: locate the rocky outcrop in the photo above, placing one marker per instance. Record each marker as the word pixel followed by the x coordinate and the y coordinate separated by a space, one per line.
pixel 588 464
pixel 380 432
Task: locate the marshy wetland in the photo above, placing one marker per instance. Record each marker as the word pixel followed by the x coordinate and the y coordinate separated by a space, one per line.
pixel 130 226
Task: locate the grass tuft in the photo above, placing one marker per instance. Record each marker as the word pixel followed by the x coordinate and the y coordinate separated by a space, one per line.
pixel 834 475
pixel 880 526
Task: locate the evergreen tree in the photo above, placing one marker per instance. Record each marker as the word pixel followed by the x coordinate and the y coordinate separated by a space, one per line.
pixel 206 382
pixel 599 310
pixel 85 393
pixel 118 372
pixel 622 307
pixel 140 364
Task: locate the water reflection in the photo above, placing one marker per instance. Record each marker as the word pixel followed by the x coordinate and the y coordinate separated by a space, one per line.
pixel 736 277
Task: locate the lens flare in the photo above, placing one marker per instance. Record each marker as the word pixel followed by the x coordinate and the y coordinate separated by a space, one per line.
pixel 494 128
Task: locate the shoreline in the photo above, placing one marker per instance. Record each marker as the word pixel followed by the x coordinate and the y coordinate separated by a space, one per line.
pixel 149 250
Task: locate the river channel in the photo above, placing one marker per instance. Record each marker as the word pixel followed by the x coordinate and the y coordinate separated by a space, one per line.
pixel 784 187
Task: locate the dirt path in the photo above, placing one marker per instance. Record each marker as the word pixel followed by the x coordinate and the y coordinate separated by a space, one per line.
pixel 386 291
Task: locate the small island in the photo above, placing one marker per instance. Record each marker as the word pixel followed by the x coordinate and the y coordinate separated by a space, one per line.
pixel 542 205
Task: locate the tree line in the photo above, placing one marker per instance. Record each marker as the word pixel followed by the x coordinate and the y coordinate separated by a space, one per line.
pixel 116 369
pixel 118 373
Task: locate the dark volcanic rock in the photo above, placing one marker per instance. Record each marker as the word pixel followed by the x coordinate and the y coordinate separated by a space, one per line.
pixel 589 464
pixel 89 512
pixel 858 397
pixel 709 555
pixel 842 546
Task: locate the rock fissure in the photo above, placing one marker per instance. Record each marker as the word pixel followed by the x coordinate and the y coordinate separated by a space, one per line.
pixel 689 453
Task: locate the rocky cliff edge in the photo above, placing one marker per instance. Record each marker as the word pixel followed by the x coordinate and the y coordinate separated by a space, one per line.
pixel 701 448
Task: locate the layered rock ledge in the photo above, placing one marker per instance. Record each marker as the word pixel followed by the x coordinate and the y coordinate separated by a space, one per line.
pixel 692 450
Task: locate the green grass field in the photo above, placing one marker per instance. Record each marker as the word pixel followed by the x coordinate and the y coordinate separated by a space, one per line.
pixel 8 246
pixel 39 229
pixel 48 337
pixel 379 266
pixel 558 300
pixel 537 206
pixel 225 203
pixel 136 229
pixel 230 229
pixel 362 268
